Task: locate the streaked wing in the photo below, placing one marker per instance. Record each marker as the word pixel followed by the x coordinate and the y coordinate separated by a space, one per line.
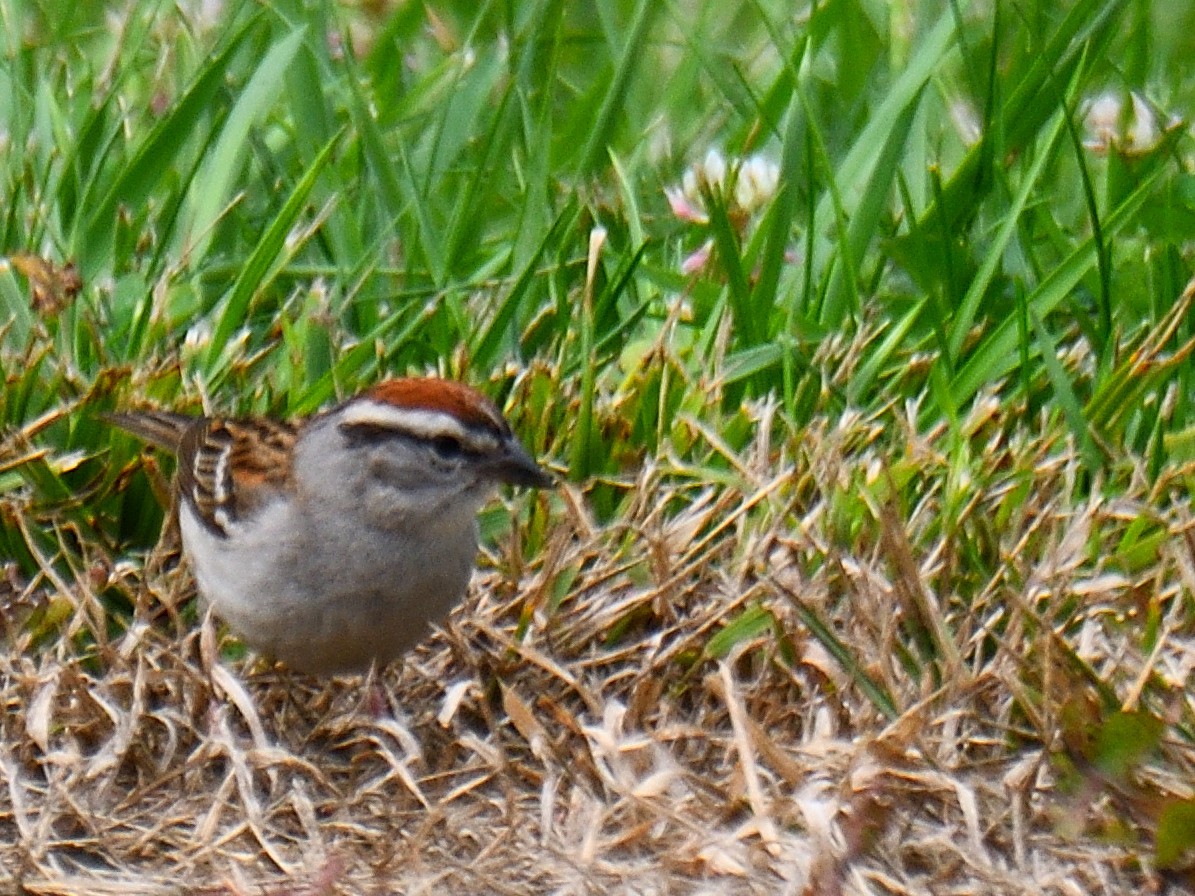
pixel 228 469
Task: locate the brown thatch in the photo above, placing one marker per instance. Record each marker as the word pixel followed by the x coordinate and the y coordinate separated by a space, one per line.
pixel 611 747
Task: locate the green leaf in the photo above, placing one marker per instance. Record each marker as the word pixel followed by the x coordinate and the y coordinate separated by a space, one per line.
pixel 996 356
pixel 632 55
pixel 156 155
pixel 1176 834
pixel 214 187
pixel 743 628
pixel 749 327
pixel 855 171
pixel 1064 394
pixel 232 314
pixel 1124 740
pixel 878 696
pixel 877 358
pixel 994 253
pixel 492 335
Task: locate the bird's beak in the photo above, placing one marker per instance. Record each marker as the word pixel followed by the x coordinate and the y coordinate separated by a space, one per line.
pixel 515 466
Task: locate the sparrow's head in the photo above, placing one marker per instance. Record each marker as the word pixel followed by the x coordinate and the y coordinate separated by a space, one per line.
pixel 424 444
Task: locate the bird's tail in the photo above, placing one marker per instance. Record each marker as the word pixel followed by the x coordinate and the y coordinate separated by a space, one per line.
pixel 161 428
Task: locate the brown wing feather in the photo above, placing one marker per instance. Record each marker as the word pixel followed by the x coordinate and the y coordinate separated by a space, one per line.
pixel 227 469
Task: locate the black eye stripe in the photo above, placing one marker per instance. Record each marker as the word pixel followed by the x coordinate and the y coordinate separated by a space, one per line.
pixel 362 434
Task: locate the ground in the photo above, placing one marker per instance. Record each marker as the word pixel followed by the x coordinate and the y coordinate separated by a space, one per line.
pixel 720 698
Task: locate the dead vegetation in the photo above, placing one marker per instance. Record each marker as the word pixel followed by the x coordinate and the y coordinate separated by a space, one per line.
pixel 793 684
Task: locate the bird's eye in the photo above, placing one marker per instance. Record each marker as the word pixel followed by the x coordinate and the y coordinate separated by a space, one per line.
pixel 447 447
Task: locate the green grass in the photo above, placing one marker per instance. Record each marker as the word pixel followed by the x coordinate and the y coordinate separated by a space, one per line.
pixel 311 216
pixel 272 209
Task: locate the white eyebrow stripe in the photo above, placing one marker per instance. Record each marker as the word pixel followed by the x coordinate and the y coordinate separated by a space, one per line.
pixel 418 422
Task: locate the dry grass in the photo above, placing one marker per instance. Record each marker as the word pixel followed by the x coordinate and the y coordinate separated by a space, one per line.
pixel 610 750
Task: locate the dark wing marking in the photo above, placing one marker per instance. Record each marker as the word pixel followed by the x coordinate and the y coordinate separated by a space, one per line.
pixel 228 469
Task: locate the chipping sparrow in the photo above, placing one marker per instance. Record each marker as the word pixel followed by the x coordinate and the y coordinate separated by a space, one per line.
pixel 333 542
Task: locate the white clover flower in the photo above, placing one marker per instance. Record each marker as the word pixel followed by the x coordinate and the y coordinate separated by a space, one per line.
pixel 684 208
pixel 755 181
pixel 966 121
pixel 204 14
pixel 696 261
pixel 713 170
pixel 198 336
pixel 1143 131
pixel 744 187
pixel 758 180
pixel 1102 120
pixel 1133 126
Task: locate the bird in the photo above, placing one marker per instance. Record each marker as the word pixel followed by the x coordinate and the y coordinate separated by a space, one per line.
pixel 333 543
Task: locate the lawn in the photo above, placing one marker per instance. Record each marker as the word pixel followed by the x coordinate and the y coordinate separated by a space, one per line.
pixel 859 335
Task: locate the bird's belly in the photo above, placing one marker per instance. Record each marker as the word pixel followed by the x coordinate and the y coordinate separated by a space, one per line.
pixel 333 603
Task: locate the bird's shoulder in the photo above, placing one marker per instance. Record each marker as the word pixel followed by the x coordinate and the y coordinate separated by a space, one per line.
pixel 230 468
